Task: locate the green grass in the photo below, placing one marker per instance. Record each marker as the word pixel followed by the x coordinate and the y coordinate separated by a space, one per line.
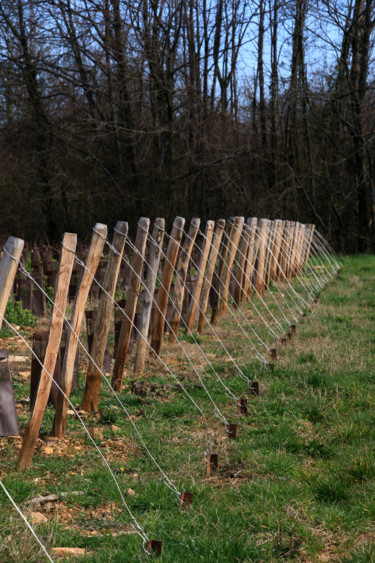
pixel 297 485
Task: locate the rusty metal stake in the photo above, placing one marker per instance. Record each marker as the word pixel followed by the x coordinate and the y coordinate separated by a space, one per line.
pixel 242 406
pixel 232 431
pixel 254 388
pixel 212 462
pixel 155 546
pixel 273 353
pixel 293 329
pixel 186 500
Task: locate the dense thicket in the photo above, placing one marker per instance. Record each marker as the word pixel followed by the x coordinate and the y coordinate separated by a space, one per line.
pixel 113 109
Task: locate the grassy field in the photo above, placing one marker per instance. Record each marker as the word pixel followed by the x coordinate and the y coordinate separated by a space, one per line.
pixel 297 485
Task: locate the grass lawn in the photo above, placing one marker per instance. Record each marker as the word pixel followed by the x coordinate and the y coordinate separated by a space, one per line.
pixel 297 485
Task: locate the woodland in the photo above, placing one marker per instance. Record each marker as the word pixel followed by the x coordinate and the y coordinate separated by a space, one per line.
pixel 116 109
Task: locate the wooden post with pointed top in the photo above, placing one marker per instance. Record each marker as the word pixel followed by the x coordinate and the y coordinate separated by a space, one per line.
pixel 206 245
pixel 103 320
pixel 211 262
pixel 166 280
pixel 153 265
pixel 91 264
pixel 8 268
pixel 181 272
pixel 131 303
pixel 56 327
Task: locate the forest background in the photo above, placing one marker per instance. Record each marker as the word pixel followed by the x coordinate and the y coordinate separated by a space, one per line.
pixel 114 109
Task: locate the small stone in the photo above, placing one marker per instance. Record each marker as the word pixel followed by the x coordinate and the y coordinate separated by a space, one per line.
pixel 38 518
pixel 68 551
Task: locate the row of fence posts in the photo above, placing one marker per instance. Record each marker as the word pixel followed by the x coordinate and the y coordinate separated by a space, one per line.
pixel 251 253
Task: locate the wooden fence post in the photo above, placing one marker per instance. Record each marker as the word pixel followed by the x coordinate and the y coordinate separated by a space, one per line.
pixel 166 280
pixel 276 248
pixel 251 257
pixel 192 311
pixel 92 261
pixel 152 272
pixel 240 268
pixel 102 324
pixel 281 271
pixel 259 284
pixel 228 263
pixel 8 268
pixel 56 327
pixel 309 237
pixel 131 303
pixel 181 272
pixel 211 263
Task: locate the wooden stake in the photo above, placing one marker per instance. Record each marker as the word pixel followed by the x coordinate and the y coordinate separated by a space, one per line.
pixel 240 268
pixel 153 265
pixel 56 327
pixel 8 268
pixel 259 283
pixel 211 263
pixel 251 256
pixel 206 245
pixel 278 228
pixel 225 274
pixel 181 272
pixel 166 280
pixel 131 303
pixel 92 260
pixel 102 324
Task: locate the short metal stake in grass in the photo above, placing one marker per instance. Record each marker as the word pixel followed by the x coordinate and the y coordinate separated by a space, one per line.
pixel 242 406
pixel 155 546
pixel 292 329
pixel 282 341
pixel 254 388
pixel 186 500
pixel 273 353
pixel 212 462
pixel 232 430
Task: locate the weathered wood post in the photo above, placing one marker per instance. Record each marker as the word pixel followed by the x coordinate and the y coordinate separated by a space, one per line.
pixel 251 257
pixel 281 270
pixel 259 283
pixel 102 324
pixel 211 263
pixel 8 268
pixel 56 327
pixel 92 260
pixel 240 268
pixel 309 237
pixel 278 225
pixel 131 303
pixel 166 280
pixel 152 271
pixel 206 245
pixel 181 272
pixel 228 261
